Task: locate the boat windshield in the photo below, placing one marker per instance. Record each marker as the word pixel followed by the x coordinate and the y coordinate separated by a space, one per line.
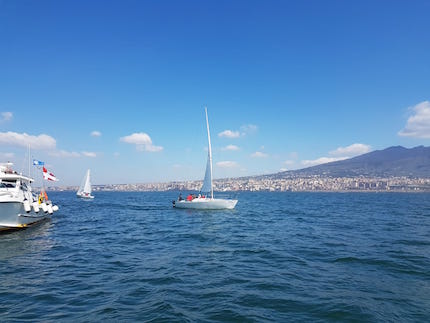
pixel 7 185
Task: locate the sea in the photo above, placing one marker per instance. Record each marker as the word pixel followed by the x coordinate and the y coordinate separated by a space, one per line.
pixel 277 257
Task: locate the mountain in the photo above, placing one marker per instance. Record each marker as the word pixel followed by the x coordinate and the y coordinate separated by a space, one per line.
pixel 392 161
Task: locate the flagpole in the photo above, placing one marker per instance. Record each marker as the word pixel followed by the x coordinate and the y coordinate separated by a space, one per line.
pixel 29 161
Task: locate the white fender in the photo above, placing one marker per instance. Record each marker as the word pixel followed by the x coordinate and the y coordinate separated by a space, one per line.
pixel 36 207
pixel 50 211
pixel 44 207
pixel 27 206
pixel 55 208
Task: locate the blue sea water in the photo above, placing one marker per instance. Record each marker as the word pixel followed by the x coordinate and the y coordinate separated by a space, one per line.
pixel 278 257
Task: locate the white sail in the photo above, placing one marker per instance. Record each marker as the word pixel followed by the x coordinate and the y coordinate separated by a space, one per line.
pixel 207 182
pixel 85 187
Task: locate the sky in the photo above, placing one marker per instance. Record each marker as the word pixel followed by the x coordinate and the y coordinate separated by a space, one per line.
pixel 119 87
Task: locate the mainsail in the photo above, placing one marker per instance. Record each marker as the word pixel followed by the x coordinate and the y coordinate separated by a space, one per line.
pixel 207 182
pixel 85 185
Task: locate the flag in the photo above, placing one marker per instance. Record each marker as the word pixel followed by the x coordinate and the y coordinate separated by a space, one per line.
pixel 48 175
pixel 38 162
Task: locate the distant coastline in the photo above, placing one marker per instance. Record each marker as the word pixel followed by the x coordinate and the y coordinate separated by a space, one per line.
pixel 394 169
pixel 314 183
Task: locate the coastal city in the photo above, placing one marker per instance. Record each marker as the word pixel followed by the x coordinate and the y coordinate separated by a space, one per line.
pixel 273 184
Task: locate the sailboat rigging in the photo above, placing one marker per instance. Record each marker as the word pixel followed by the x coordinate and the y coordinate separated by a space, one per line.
pixel 85 189
pixel 203 202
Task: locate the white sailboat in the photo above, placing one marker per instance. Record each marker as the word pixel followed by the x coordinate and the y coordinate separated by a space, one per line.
pixel 206 202
pixel 85 190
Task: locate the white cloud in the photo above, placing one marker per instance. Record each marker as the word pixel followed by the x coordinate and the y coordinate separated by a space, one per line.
pixel 340 153
pixel 227 164
pixel 244 130
pixel 418 125
pixel 248 129
pixel 150 148
pixel 231 148
pixel 89 154
pixel 22 139
pixel 288 165
pixel 71 154
pixel 65 154
pixel 142 141
pixel 322 160
pixel 6 116
pixel 259 154
pixel 140 138
pixel 229 134
pixel 351 150
pixel 95 133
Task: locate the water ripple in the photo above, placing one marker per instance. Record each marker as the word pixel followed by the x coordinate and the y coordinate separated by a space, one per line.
pixel 277 257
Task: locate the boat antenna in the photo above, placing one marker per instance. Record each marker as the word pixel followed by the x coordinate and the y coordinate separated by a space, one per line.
pixel 29 161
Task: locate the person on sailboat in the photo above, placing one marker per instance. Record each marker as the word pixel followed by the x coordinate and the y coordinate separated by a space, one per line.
pixel 189 197
pixel 180 198
pixel 201 196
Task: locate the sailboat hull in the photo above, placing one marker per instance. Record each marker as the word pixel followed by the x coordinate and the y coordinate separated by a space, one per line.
pixel 206 204
pixel 85 196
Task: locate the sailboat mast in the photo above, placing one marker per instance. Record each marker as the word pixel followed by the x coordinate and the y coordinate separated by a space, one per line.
pixel 209 151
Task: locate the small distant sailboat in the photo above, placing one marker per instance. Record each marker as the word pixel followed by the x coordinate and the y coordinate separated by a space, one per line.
pixel 203 202
pixel 85 190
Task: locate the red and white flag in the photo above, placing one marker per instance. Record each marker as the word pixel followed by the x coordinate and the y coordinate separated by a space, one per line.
pixel 48 176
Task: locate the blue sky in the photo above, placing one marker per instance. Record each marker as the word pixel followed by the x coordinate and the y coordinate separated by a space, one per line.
pixel 120 86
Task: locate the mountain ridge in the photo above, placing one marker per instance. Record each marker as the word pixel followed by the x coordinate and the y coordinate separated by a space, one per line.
pixel 388 162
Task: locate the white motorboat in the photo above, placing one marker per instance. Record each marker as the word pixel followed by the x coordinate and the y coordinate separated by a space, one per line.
pixel 19 206
pixel 202 201
pixel 85 189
